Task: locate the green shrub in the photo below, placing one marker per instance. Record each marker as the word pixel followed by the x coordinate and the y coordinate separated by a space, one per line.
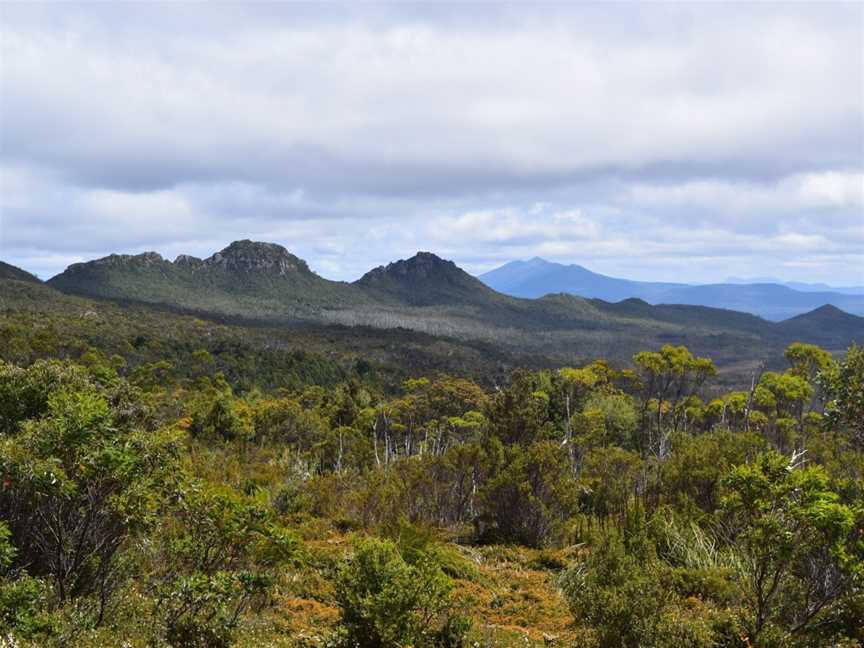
pixel 529 496
pixel 82 475
pixel 22 608
pixel 217 557
pixel 626 600
pixel 385 601
pixel 203 610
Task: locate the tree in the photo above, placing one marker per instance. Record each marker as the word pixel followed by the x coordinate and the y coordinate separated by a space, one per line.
pixel 521 413
pixel 223 421
pixel 845 388
pixel 667 377
pixel 799 545
pixel 608 480
pixel 787 393
pixel 807 360
pixel 619 414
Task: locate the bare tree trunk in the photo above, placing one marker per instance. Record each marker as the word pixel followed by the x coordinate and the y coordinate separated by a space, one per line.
pixel 754 380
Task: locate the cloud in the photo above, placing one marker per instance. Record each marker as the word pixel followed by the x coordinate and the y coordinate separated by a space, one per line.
pixel 357 134
pixel 819 190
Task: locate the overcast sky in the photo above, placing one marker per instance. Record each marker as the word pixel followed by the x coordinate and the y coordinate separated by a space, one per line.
pixel 683 142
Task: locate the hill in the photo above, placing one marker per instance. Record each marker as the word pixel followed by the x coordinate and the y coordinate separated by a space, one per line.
pixel 427 280
pixel 771 301
pixel 537 277
pixel 265 285
pixel 824 326
pixel 246 279
pixel 9 271
pixel 39 321
pixel 800 286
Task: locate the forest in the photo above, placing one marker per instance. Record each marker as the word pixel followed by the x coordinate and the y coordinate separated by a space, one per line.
pixel 168 481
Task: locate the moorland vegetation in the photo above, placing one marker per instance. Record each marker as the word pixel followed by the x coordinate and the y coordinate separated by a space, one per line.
pixel 170 480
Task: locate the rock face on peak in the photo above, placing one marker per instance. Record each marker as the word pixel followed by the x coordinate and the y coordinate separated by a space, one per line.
pixel 238 257
pixel 188 261
pixel 251 256
pixel 426 280
pixel 120 262
pixel 422 264
pixel 145 258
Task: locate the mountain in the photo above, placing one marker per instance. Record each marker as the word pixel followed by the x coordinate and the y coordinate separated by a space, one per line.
pixel 824 326
pixel 799 285
pixel 263 281
pixel 426 280
pixel 247 279
pixel 539 277
pixel 772 301
pixel 264 284
pixel 8 271
pixel 821 287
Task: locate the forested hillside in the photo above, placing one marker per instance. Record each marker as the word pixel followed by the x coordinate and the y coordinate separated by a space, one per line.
pixel 171 479
pixel 8 271
pixel 265 284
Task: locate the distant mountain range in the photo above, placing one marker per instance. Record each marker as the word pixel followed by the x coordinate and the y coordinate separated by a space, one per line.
pixel 799 285
pixel 264 284
pixel 773 301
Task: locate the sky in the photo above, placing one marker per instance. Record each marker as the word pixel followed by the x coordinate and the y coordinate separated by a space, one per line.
pixel 682 142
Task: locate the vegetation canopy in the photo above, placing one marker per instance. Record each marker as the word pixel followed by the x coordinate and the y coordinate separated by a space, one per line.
pixel 172 480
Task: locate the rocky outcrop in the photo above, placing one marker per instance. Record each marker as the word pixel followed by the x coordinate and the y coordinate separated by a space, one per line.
pixel 240 257
pixel 251 256
pixel 423 265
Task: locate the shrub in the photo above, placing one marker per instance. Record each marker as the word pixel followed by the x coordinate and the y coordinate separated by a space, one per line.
pixel 530 494
pixel 615 596
pixel 217 556
pixel 81 477
pixel 203 610
pixel 22 607
pixel 386 601
pixel 625 599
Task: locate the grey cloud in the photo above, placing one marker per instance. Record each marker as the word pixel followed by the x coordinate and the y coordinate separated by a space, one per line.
pixel 413 108
pixel 358 133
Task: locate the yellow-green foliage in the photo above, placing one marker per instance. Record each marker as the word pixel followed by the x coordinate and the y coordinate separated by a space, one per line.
pixel 169 503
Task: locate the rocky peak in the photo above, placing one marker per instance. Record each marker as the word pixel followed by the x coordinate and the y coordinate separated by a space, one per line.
pixel 145 258
pixel 827 309
pixel 252 256
pixel 423 265
pixel 120 260
pixel 188 261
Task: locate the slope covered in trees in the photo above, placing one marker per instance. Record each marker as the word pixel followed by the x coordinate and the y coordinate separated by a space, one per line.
pixel 173 481
pixel 8 271
pixel 263 283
